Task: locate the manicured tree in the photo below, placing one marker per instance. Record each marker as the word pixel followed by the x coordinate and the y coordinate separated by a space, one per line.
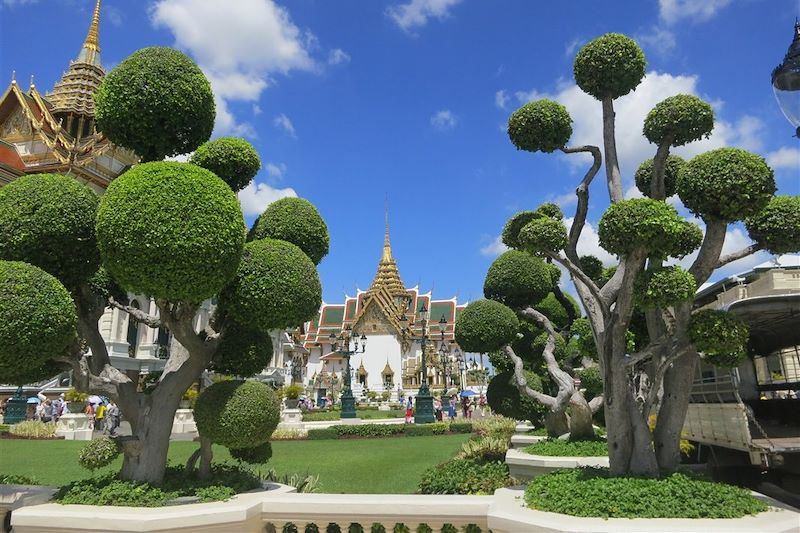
pixel 234 160
pixel 173 231
pixel 721 187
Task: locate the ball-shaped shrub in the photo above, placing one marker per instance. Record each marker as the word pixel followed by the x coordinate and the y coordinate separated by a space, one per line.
pixel 591 266
pixel 256 455
pixel 517 279
pixel 276 286
pixel 645 223
pixel 682 118
pixel 559 349
pixel 591 380
pixel 157 102
pixel 664 287
pixel 504 397
pixel 485 326
pixel 98 453
pixel 233 159
pixel 242 352
pixel 37 321
pixel 542 235
pixel 540 126
pixel 721 337
pixel 610 66
pixel 549 209
pixel 170 230
pixel 512 228
pixel 47 220
pixel 644 175
pixel 726 184
pixel 297 221
pixel 776 227
pixel 554 310
pixel 555 273
pixel 237 414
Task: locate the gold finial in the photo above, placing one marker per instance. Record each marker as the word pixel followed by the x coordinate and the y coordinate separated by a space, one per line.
pixel 93 37
pixel 387 247
pixel 13 77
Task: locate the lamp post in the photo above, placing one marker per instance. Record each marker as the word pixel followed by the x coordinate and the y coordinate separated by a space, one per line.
pixel 786 82
pixel 424 413
pixel 342 345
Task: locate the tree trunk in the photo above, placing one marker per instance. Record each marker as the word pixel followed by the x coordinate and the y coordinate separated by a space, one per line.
pixel 580 418
pixel 671 415
pixel 556 422
pixel 206 454
pixel 145 452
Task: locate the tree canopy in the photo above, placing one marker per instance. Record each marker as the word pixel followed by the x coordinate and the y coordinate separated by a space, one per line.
pixel 234 160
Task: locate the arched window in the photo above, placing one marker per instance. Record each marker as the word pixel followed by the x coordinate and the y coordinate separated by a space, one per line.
pixel 133 331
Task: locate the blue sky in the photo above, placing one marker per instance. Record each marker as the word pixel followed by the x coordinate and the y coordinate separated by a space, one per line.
pixel 352 102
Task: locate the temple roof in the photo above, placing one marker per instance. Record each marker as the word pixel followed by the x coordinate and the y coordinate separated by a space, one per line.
pixel 388 276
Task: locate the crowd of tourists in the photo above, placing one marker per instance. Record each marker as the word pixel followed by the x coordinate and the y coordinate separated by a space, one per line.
pixel 104 414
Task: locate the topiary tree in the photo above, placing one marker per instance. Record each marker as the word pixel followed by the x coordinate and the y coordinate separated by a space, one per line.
pixel 173 231
pixel 721 187
pixel 234 160
pixel 156 102
pixel 297 221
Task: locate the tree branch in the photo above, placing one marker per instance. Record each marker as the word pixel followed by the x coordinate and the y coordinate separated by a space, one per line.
pixel 613 175
pixel 658 379
pixel 136 314
pixel 657 186
pixel 735 256
pixel 565 303
pixel 582 192
pixel 522 383
pixel 564 382
pixel 710 250
pixel 651 350
pixel 596 403
pixel 576 272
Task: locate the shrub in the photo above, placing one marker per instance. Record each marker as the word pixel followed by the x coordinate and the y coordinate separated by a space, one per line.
pixel 777 226
pixel 496 426
pixel 683 117
pixel 276 286
pixel 237 414
pixel 47 220
pixel 543 234
pixel 297 221
pixel 465 476
pixel 322 434
pixel 4 428
pixel 460 427
pixel 720 335
pixel 439 428
pixel 215 493
pixel 113 492
pixel 413 430
pixel 98 453
pixel 368 430
pixel 591 380
pixel 541 125
pixel 569 448
pixel 555 311
pixel 485 326
pixel 517 279
pixel 289 434
pixel 234 160
pixel 504 397
pixel 255 455
pixel 74 395
pixel 242 352
pixel 664 287
pixel 485 449
pixel 16 479
pixel 593 492
pixel 29 339
pixel 610 66
pixel 644 176
pixel 157 102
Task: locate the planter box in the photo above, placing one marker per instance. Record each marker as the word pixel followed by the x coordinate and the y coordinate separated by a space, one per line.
pixel 291 419
pixel 74 426
pixel 523 441
pixel 509 514
pixel 525 466
pixel 16 496
pixel 184 421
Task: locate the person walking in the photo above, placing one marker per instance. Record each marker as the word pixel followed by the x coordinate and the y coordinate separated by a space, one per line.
pixel 437 409
pixel 409 411
pixel 100 416
pixel 112 418
pixel 451 408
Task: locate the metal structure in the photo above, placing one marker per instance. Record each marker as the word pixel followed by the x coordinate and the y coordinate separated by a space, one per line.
pixel 342 346
pixel 424 411
pixel 786 82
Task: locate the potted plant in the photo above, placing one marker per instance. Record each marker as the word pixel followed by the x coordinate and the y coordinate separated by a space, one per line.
pixel 76 400
pixel 385 395
pixel 189 397
pixel 292 394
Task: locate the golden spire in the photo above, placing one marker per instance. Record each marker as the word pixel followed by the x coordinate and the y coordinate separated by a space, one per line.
pixel 387 247
pixel 387 275
pixel 90 53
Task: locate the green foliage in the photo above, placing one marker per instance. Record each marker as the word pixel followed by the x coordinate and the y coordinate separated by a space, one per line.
pixel 460 427
pixel 555 311
pixel 3 428
pixel 514 225
pixel 505 399
pixel 276 286
pixel 293 392
pixel 237 414
pixel 663 287
pixel 682 118
pixel 543 234
pixel 297 221
pixel 102 284
pixel 242 352
pixel 549 209
pixel 485 326
pixel 591 380
pixel 234 160
pixel 592 267
pixel 322 434
pixel 465 476
pixel 610 66
pixel 569 448
pixel 37 322
pixel 33 429
pixel 157 102
pixel 215 493
pixel 47 220
pixel 720 335
pixel 98 453
pixel 439 428
pixel 170 230
pixel 495 426
pixel 644 175
pixel 540 126
pixel 11 479
pixel 485 449
pixel 114 492
pixel 368 430
pixel 776 227
pixel 517 279
pixel 256 455
pixel 74 395
pixel 583 338
pixel 559 351
pixel 593 492
pixel 727 184
pixel 413 430
pixel 648 224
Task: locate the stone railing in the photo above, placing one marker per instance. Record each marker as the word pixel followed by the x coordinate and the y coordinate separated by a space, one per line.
pixel 281 510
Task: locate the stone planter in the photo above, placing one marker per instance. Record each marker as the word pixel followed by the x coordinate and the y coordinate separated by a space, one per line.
pixel 184 421
pixel 508 514
pixel 76 407
pixel 185 404
pixel 292 403
pixel 74 426
pixel 291 419
pixel 16 496
pixel 524 466
pixel 523 441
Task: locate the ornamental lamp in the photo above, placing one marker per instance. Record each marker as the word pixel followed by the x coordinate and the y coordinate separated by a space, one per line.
pixel 786 81
pixel 423 313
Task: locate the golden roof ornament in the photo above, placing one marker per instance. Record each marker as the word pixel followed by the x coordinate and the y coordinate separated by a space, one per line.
pixel 388 276
pixel 91 46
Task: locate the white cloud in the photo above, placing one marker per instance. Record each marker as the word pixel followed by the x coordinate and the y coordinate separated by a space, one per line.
pixel 494 248
pixel 589 243
pixel 113 15
pixel 239 45
pixel 444 120
pixel 501 98
pixel 275 170
pixel 671 11
pixel 12 3
pixel 257 110
pixel 658 38
pixel 416 13
pixel 563 200
pixel 257 196
pixel 282 122
pixel 573 46
pixel 523 97
pixel 337 56
pixel 785 157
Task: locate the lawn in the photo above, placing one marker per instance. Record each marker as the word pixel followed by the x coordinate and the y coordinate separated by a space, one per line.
pixel 367 466
pixel 367 414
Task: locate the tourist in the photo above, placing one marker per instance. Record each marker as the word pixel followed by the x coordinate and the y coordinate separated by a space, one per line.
pixel 451 408
pixel 112 418
pixel 47 411
pixel 409 411
pixel 99 416
pixel 464 406
pixel 482 405
pixel 471 409
pixel 89 411
pixel 437 409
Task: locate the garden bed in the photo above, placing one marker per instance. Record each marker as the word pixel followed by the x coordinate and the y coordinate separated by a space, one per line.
pixel 11 436
pixel 568 448
pixel 525 466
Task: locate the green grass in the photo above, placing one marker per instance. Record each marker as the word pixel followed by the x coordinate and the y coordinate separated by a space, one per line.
pixel 369 414
pixel 368 466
